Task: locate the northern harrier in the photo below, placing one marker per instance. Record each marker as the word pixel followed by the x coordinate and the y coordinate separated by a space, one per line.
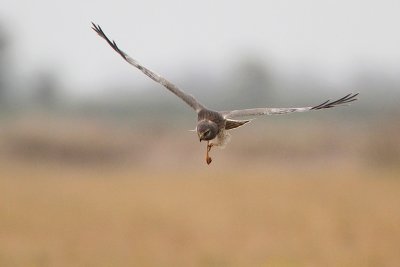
pixel 213 126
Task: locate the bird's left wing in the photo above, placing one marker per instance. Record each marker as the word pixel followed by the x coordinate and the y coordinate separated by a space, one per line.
pixel 189 99
pixel 271 111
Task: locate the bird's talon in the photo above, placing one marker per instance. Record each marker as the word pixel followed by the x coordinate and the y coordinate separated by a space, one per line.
pixel 208 160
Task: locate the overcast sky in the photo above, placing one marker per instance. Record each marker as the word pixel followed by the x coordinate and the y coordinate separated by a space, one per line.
pixel 168 36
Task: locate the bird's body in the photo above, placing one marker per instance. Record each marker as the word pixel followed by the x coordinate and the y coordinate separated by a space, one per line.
pixel 222 139
pixel 219 137
pixel 214 126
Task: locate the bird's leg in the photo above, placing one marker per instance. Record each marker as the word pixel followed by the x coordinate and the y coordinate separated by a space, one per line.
pixel 209 146
pixel 208 158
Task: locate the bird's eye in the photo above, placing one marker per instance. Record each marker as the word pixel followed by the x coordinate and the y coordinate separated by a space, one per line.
pixel 207 132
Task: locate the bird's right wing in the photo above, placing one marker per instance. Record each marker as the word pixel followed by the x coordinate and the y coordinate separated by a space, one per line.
pixel 190 100
pixel 271 111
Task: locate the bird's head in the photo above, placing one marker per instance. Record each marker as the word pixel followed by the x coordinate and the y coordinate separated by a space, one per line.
pixel 207 130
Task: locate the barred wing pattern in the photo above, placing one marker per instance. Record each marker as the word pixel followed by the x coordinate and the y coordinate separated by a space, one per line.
pixel 189 99
pixel 272 111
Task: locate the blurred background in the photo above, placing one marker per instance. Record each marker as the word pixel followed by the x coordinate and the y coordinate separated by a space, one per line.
pixel 98 168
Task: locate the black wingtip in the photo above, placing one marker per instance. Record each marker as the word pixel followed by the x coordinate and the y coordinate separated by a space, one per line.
pixel 330 104
pixel 97 29
pixel 113 44
pixel 94 26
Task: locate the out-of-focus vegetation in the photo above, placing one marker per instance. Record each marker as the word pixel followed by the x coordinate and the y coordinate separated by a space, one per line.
pixel 118 180
pixel 321 214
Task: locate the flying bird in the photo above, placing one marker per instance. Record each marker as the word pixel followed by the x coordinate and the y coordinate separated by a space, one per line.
pixel 213 126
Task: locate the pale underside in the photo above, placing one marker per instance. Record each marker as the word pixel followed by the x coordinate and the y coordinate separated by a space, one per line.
pixel 222 139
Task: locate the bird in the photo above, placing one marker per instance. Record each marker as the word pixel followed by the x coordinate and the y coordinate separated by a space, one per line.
pixel 213 126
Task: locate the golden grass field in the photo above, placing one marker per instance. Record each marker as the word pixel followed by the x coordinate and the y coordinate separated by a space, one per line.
pixel 316 212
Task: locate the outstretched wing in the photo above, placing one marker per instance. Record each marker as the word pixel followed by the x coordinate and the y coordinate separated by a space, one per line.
pixel 271 111
pixel 190 100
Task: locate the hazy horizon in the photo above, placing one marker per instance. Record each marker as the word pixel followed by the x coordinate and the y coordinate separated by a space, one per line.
pixel 333 38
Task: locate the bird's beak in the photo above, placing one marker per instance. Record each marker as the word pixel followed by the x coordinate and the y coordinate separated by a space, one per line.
pixel 200 136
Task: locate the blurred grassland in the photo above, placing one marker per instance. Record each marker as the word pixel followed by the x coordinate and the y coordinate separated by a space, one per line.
pixel 88 194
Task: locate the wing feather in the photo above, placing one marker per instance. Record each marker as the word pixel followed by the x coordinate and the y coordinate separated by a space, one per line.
pixel 189 99
pixel 272 111
pixel 232 124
